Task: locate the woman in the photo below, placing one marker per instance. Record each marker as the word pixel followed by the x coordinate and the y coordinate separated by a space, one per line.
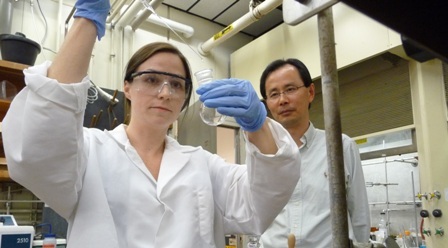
pixel 134 186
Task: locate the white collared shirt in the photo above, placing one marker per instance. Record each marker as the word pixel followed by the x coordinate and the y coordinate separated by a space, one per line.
pixel 307 214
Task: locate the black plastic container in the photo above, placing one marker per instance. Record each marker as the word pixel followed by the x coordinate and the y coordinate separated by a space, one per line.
pixel 17 48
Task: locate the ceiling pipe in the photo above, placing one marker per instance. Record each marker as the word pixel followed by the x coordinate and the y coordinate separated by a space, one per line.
pixel 186 30
pixel 238 25
pixel 129 13
pixel 115 10
pixel 59 24
pixel 145 14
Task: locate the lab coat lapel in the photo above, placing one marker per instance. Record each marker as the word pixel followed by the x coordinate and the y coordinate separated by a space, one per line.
pixel 174 159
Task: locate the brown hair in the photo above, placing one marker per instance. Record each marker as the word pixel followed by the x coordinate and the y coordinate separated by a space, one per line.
pixel 143 54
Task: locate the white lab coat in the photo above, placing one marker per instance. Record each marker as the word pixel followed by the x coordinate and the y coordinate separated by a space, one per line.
pixel 96 180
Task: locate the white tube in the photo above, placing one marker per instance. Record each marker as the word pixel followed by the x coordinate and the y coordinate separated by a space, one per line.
pixel 186 30
pixel 145 14
pixel 115 10
pixel 238 25
pixel 59 25
pixel 106 96
pixel 129 13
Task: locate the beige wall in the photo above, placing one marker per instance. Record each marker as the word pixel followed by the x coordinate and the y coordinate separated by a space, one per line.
pixel 357 38
pixel 429 106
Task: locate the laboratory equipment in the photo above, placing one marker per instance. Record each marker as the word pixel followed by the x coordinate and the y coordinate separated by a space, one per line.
pixel 12 235
pixel 381 234
pixel 7 220
pixel 210 116
pixel 60 243
pixel 254 241
pixel 49 241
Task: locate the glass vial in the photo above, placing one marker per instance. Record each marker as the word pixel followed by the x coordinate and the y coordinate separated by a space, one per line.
pixel 254 241
pixel 209 116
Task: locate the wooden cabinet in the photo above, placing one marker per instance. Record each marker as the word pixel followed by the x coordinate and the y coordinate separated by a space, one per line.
pixel 13 73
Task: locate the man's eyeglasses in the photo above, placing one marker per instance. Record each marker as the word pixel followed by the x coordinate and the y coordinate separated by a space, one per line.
pixel 154 81
pixel 289 91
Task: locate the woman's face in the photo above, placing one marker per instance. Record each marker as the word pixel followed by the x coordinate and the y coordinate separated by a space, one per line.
pixel 157 97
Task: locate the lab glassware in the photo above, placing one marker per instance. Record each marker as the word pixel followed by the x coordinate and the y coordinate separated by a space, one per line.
pixel 254 241
pixel 209 116
pixel 382 228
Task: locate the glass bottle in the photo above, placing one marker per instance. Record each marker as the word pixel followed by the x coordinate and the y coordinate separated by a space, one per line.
pixel 209 116
pixel 382 227
pixel 254 241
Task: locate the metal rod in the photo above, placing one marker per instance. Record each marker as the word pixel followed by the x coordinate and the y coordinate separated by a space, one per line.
pixel 22 201
pixel 68 20
pixel 393 161
pixel 22 211
pixel 8 204
pixel 330 93
pixel 396 203
pixel 415 207
pixel 387 196
pixel 371 184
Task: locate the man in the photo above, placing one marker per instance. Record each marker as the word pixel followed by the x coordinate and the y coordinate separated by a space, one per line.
pixel 288 91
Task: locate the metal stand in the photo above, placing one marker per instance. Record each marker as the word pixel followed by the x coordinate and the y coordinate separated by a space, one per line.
pixel 332 119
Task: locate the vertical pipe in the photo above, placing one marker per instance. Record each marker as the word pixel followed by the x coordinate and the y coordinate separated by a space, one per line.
pixel 330 93
pixel 59 25
pixel 8 204
pixel 6 13
pixel 415 209
pixel 387 197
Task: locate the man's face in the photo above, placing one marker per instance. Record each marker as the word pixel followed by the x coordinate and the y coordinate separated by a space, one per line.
pixel 287 98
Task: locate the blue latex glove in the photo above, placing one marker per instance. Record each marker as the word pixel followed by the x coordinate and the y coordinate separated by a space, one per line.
pixel 96 11
pixel 237 98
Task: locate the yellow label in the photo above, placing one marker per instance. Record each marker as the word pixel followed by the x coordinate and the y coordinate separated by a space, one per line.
pixel 361 141
pixel 223 32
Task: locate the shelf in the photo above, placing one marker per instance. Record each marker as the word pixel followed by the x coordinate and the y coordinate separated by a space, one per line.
pixel 4 106
pixel 13 73
pixel 4 175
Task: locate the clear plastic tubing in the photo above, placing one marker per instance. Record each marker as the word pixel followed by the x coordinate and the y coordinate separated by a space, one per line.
pixel 209 116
